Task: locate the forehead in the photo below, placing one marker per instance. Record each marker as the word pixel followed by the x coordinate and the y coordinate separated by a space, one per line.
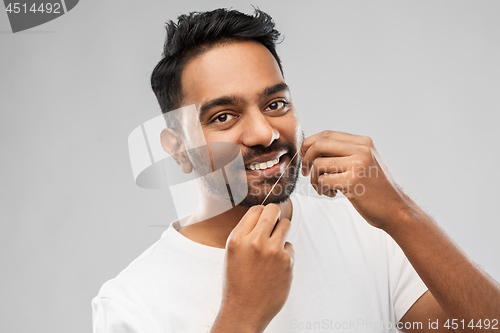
pixel 241 69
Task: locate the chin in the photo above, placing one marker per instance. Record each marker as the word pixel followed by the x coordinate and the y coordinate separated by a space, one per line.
pixel 281 193
pixel 252 200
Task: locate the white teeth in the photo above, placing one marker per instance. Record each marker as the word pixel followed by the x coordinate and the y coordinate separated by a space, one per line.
pixel 263 165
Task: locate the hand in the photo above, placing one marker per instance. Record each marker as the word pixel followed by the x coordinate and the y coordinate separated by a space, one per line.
pixel 350 163
pixel 258 266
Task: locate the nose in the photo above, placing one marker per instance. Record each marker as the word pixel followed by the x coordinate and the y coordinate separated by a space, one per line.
pixel 257 130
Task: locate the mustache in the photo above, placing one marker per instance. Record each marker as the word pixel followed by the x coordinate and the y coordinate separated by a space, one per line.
pixel 277 146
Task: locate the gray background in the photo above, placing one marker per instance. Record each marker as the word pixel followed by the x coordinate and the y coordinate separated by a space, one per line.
pixel 422 78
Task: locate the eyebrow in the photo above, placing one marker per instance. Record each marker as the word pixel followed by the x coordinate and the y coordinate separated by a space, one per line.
pixel 231 100
pixel 221 101
pixel 274 89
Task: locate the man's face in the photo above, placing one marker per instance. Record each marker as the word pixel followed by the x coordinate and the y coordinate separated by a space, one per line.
pixel 242 98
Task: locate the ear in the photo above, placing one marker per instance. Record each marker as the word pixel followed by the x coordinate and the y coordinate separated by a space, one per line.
pixel 173 143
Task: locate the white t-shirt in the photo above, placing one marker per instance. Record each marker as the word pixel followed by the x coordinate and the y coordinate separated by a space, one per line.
pixel 348 276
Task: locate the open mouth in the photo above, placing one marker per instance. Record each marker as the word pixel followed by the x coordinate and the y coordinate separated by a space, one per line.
pixel 263 165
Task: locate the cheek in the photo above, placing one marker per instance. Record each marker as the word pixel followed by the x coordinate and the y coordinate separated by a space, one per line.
pixel 221 136
pixel 290 128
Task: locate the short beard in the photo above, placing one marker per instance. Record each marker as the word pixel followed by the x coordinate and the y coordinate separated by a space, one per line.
pixel 280 192
pixel 256 194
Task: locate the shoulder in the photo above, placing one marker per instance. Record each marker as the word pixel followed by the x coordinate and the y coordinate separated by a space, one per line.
pixel 171 262
pixel 142 271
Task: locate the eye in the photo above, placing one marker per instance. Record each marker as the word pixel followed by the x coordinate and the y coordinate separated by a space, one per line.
pixel 223 118
pixel 280 106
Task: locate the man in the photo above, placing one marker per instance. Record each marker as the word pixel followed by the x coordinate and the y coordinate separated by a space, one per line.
pixel 236 271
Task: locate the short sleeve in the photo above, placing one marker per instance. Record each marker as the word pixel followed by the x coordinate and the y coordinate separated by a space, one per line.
pixel 405 285
pixel 114 316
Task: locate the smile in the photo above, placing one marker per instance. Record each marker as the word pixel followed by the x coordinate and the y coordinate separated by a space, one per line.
pixel 263 165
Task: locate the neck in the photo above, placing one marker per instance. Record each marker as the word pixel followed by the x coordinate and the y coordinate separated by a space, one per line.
pixel 214 231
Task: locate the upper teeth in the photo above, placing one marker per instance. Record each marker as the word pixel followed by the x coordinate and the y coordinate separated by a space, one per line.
pixel 263 165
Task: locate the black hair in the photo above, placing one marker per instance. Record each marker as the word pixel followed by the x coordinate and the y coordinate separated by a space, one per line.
pixel 198 32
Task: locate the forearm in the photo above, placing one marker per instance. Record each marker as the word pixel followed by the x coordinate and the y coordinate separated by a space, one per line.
pixel 462 289
pixel 229 324
pixel 235 318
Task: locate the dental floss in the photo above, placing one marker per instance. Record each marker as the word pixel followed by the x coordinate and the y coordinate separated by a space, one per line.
pixel 272 188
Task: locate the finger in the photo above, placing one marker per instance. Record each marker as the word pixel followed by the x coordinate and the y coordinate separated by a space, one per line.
pixel 267 221
pixel 330 193
pixel 325 165
pixel 334 135
pixel 335 182
pixel 281 230
pixel 291 253
pixel 249 220
pixel 328 148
